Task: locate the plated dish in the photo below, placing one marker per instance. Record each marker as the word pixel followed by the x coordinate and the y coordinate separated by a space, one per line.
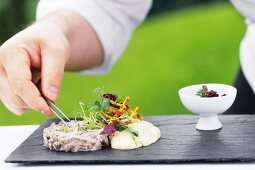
pixel 108 122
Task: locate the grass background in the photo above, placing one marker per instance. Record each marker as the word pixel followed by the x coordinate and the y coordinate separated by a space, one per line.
pixel 194 45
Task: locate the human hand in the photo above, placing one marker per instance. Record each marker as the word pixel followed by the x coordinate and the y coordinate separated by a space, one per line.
pixel 61 40
pixel 39 52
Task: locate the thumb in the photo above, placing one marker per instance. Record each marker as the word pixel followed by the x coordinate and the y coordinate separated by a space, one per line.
pixel 52 71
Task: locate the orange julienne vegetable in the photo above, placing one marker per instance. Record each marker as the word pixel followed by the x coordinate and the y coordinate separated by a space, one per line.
pixel 119 112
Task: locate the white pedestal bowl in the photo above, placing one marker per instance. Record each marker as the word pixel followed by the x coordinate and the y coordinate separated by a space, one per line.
pixel 208 107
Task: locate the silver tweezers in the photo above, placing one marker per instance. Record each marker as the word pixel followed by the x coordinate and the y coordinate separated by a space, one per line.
pixel 53 107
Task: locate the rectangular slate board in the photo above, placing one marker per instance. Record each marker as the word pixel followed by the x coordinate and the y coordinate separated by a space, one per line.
pixel 180 143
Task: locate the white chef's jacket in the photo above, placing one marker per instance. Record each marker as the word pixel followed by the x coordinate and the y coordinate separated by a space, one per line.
pixel 115 20
pixel 247 48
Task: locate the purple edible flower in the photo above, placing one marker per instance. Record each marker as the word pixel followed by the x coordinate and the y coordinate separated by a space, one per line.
pixel 109 129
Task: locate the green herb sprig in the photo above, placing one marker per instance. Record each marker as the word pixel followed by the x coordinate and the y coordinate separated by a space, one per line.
pixel 202 92
pixel 92 113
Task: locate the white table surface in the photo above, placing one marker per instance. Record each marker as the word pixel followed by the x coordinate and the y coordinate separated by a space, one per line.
pixel 12 136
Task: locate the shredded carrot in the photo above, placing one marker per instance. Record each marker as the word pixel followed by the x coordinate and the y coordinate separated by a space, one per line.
pixel 119 112
pixel 111 118
pixel 139 117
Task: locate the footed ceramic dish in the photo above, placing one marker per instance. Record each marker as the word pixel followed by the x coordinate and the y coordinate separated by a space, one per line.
pixel 208 107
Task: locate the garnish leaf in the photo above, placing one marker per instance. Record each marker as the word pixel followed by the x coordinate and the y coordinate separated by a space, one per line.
pixel 204 92
pixel 120 127
pixel 65 128
pixel 100 125
pixel 91 125
pixel 133 132
pixel 98 105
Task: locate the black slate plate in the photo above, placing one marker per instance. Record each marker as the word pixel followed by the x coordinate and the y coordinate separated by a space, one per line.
pixel 180 143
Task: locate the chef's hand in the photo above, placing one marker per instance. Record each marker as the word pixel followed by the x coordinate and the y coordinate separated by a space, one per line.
pixel 43 51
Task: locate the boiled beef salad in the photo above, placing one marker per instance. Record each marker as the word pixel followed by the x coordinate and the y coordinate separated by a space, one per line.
pixel 109 121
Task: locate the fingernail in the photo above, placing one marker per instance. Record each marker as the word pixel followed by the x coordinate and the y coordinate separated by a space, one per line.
pixel 45 112
pixel 53 92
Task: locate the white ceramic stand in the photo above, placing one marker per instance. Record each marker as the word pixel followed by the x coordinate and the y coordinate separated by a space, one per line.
pixel 208 123
pixel 208 108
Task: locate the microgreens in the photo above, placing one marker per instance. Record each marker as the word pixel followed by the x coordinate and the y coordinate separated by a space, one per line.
pixel 204 92
pixel 110 112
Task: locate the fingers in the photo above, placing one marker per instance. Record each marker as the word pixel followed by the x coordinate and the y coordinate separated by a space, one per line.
pixel 14 109
pixel 20 79
pixel 13 102
pixel 36 75
pixel 35 47
pixel 52 71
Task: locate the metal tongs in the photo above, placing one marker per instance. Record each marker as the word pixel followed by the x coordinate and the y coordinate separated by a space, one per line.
pixel 53 107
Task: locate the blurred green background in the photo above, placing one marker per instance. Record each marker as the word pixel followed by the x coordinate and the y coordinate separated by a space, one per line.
pixel 185 43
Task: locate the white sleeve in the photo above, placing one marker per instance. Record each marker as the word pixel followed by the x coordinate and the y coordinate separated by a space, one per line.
pixel 246 8
pixel 113 20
